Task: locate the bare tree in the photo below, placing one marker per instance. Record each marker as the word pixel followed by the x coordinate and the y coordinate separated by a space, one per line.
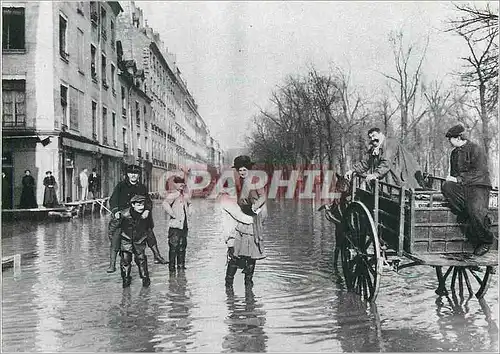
pixel 479 29
pixel 407 81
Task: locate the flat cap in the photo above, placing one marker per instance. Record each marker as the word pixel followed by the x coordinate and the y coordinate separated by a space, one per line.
pixel 455 131
pixel 133 169
pixel 138 198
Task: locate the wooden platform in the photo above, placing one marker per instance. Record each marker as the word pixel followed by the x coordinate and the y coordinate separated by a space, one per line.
pixel 456 259
pixel 36 210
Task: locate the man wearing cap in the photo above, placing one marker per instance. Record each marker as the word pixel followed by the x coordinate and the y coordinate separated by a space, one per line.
pixel 119 200
pixel 134 229
pixel 468 186
pixel 245 242
pixel 389 159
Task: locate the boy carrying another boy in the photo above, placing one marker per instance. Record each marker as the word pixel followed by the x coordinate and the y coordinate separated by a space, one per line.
pixel 134 232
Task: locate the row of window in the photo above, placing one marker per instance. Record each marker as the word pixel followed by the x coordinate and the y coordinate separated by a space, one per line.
pixel 13 26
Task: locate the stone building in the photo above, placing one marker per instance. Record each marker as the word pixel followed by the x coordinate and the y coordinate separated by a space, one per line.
pixel 178 132
pixel 60 104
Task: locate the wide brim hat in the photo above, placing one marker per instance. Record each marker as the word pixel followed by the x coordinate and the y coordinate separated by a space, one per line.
pixel 455 131
pixel 242 161
pixel 133 169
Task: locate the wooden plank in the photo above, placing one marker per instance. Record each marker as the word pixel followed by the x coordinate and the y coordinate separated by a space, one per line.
pixel 35 210
pixel 456 259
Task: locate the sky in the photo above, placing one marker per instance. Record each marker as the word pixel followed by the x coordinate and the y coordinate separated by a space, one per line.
pixel 234 54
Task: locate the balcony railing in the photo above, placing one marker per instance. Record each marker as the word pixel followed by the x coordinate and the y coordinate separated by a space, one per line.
pixel 124 112
pixel 139 153
pixel 147 156
pixel 125 149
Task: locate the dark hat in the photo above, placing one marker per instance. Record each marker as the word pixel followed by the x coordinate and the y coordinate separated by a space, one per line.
pixel 455 131
pixel 242 161
pixel 178 179
pixel 133 169
pixel 137 198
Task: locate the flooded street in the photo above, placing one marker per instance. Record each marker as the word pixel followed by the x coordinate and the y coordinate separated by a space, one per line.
pixel 63 299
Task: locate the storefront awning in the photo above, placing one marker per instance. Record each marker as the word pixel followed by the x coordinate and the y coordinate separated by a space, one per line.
pixel 91 147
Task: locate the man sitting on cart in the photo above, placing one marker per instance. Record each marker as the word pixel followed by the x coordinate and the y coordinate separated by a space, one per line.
pixel 387 159
pixel 467 188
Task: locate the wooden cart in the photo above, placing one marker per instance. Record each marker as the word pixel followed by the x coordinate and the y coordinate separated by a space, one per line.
pixel 389 226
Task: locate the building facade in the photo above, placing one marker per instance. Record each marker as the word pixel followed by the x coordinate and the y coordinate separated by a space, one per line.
pixel 59 96
pixel 90 85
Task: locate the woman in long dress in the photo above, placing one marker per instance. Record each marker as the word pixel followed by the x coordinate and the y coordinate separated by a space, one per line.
pixel 28 199
pixel 245 241
pixel 49 196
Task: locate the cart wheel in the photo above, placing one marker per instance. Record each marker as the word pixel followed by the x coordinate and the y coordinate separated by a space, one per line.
pixel 475 280
pixel 360 252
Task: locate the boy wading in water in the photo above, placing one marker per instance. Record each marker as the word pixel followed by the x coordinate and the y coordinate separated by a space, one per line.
pixel 177 204
pixel 134 232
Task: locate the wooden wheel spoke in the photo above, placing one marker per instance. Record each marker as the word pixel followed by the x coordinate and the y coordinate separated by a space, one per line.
pixel 477 277
pixel 467 282
pixel 454 278
pixel 447 273
pixel 361 252
pixel 460 282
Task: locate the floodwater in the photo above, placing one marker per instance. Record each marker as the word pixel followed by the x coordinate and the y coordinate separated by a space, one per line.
pixel 63 299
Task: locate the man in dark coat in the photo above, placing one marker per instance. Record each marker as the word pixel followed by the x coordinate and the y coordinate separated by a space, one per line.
pixel 468 186
pixel 119 200
pixel 387 159
pixel 94 184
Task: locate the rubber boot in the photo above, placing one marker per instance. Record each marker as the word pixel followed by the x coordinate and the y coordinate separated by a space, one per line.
pixel 112 260
pixel 157 256
pixel 172 255
pixel 231 270
pixel 249 270
pixel 142 264
pixel 181 260
pixel 126 278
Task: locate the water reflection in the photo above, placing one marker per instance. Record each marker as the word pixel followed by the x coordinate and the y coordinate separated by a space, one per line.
pixel 63 300
pixel 460 318
pixel 353 316
pixel 177 322
pixel 133 321
pixel 245 323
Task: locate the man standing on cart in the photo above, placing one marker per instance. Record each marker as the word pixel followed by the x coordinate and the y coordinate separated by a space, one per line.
pixel 467 188
pixel 387 159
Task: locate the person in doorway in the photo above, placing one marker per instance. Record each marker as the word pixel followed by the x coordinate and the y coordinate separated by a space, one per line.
pixel 28 198
pixel 84 184
pixel 95 184
pixel 119 200
pixel 49 196
pixel 245 242
pixel 467 188
pixel 177 203
pixel 6 192
pixel 387 159
pixel 134 233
